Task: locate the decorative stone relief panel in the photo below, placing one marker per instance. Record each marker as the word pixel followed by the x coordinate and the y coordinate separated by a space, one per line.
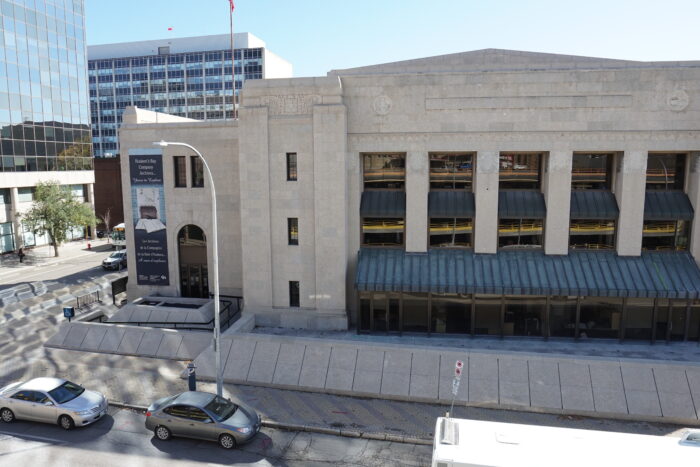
pixel 296 104
pixel 677 100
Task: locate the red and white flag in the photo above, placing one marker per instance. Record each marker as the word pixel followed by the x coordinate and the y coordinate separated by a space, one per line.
pixel 231 2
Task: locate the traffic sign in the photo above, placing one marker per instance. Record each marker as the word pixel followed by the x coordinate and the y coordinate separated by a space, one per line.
pixel 459 365
pixel 455 386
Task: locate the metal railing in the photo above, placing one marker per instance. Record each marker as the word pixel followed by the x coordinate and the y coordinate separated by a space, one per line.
pixel 228 315
pixel 87 299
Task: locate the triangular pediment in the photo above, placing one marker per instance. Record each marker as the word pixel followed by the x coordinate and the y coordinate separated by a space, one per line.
pixel 488 60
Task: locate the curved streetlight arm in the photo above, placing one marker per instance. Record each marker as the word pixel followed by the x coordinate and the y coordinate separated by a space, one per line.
pixel 215 264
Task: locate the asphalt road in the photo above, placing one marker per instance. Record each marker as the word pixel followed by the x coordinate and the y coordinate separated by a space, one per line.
pixel 120 439
pixel 73 269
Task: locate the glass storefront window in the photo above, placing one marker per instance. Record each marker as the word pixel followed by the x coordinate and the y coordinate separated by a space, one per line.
pixel 694 325
pixel 592 234
pixel 665 235
pixel 384 171
pixel 382 231
pixel 379 312
pixel 666 171
pixel 520 171
pixel 450 314
pixel 591 172
pixel 562 317
pixel 639 318
pixel 451 171
pixel 487 318
pixel 450 232
pixel 7 239
pixel 363 321
pixel 524 315
pixel 520 233
pixel 600 317
pixel 415 312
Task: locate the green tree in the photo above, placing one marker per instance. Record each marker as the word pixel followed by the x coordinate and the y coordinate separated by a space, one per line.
pixel 55 212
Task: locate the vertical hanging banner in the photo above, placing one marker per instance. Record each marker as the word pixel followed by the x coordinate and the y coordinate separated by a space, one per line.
pixel 148 212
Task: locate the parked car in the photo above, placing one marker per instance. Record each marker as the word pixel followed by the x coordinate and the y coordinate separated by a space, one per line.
pixel 51 400
pixel 115 260
pixel 202 415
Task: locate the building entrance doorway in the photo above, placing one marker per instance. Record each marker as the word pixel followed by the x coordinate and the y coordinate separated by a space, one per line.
pixel 192 252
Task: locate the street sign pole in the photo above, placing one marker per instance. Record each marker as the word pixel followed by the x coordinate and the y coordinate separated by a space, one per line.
pixel 459 365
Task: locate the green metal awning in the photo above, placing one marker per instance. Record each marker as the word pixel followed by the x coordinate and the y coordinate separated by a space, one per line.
pixel 667 205
pixel 593 204
pixel 383 203
pixel 451 204
pixel 521 204
pixel 580 273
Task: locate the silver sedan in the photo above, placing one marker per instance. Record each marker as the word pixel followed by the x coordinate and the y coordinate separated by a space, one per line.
pixel 51 400
pixel 201 415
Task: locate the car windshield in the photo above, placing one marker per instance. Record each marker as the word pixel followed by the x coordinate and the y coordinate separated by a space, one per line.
pixel 220 408
pixel 66 392
pixel 116 254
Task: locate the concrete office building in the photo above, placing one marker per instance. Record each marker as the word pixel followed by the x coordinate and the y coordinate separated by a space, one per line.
pixel 44 129
pixel 185 76
pixel 491 192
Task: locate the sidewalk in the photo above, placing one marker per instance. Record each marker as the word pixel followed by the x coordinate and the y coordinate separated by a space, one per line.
pixel 44 255
pixel 608 387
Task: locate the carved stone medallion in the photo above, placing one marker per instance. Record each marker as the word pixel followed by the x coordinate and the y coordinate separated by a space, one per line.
pixel 382 105
pixel 678 100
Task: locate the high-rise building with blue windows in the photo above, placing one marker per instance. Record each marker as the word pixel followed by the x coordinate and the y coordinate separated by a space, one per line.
pixel 44 116
pixel 189 77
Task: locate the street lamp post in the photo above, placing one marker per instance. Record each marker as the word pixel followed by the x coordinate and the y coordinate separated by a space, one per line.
pixel 215 264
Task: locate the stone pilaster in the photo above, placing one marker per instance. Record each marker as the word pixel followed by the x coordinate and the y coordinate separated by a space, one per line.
pixel 557 197
pixel 330 205
pixel 630 187
pixel 254 177
pixel 417 187
pixel 486 198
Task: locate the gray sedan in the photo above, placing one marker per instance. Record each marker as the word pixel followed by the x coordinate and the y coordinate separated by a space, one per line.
pixel 51 400
pixel 201 415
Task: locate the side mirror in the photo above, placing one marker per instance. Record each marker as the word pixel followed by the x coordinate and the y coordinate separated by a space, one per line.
pixel 208 420
pixel 48 403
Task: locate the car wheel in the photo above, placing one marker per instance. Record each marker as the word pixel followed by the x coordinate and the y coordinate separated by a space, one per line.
pixel 7 415
pixel 227 441
pixel 162 433
pixel 65 422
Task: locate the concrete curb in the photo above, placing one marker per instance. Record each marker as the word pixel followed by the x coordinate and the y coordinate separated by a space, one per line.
pixel 375 436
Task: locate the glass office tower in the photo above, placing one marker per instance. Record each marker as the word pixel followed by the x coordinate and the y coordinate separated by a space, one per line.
pixel 189 77
pixel 44 127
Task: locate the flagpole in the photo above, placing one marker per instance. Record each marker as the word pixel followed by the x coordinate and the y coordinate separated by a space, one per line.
pixel 233 63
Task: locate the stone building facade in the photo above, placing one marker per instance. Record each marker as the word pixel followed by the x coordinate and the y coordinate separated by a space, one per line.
pixel 488 192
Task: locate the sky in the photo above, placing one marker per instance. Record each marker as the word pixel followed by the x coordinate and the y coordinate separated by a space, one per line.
pixel 320 35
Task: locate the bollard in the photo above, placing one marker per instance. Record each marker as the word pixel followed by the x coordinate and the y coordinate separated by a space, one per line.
pixel 191 377
pixel 89 246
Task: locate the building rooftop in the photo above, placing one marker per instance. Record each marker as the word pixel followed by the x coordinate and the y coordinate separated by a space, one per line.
pixel 502 60
pixel 242 40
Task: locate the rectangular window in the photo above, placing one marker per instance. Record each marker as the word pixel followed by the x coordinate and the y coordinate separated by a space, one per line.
pixel 520 233
pixel 293 231
pixel 291 166
pixel 450 232
pixel 197 172
pixel 591 172
pixel 666 172
pixel 384 171
pixel 294 294
pixel 180 164
pixel 665 235
pixel 25 195
pixel 592 234
pixel 520 171
pixel 382 231
pixel 451 171
pixel 5 196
